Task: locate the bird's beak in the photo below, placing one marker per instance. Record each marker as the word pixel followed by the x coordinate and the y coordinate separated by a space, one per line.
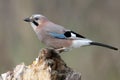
pixel 27 20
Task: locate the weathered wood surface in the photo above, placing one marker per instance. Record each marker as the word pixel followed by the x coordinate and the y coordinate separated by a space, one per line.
pixel 48 66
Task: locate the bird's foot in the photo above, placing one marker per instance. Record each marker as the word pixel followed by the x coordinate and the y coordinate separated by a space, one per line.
pixel 60 50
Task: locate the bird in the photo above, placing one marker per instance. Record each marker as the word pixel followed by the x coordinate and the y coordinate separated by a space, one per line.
pixel 58 37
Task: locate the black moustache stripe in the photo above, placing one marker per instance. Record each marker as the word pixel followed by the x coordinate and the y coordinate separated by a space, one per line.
pixel 35 23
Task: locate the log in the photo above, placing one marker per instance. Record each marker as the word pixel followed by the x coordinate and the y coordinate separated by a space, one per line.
pixel 47 66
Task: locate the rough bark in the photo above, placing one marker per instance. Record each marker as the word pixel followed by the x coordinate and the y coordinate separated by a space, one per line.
pixel 48 66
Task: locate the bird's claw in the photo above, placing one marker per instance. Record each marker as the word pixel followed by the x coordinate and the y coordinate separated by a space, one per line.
pixel 60 50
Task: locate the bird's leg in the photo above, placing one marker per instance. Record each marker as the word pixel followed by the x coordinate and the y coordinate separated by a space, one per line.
pixel 60 50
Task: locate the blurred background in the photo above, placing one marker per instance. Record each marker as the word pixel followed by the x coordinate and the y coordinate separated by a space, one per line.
pixel 98 20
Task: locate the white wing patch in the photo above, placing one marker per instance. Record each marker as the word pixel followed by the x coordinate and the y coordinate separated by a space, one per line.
pixel 73 35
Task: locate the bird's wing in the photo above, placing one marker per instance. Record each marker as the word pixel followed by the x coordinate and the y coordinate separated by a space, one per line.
pixel 66 35
pixel 57 35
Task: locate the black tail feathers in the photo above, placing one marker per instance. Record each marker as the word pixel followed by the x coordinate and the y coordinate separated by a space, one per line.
pixel 103 45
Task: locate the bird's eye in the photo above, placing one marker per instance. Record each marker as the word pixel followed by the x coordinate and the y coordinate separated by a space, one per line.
pixel 36 18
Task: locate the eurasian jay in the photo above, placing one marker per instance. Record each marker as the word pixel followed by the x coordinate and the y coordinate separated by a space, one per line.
pixel 57 37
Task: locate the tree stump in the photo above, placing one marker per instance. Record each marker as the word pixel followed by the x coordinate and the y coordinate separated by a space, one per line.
pixel 48 66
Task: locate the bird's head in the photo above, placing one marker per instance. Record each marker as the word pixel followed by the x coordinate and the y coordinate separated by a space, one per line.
pixel 36 20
